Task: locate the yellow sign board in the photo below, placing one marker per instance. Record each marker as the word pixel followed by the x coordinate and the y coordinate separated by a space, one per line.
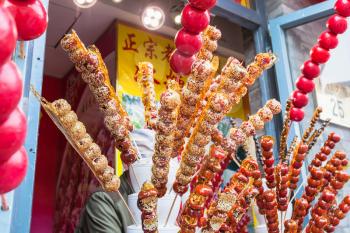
pixel 136 45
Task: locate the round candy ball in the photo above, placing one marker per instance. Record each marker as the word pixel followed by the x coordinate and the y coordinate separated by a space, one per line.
pixel 310 69
pixel 319 55
pixel 337 24
pixel 296 114
pixel 202 4
pixel 342 7
pixel 194 20
pixel 305 85
pixel 328 40
pixel 180 63
pixel 299 99
pixel 188 43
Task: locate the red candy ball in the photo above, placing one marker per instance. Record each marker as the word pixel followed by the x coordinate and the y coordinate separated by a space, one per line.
pixel 305 85
pixel 12 134
pixel 10 89
pixel 194 20
pixel 30 16
pixel 202 4
pixel 337 24
pixel 296 114
pixel 319 55
pixel 328 40
pixel 8 35
pixel 187 43
pixel 299 99
pixel 310 70
pixel 13 171
pixel 342 7
pixel 181 64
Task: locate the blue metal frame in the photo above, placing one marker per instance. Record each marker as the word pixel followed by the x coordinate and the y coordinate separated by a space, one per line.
pixel 277 28
pixel 240 15
pixel 17 219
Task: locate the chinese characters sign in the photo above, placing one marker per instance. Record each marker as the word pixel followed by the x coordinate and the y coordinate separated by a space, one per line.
pixel 134 46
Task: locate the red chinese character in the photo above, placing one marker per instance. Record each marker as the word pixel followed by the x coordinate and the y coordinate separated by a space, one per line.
pixel 150 48
pixel 130 43
pixel 167 52
pixel 136 73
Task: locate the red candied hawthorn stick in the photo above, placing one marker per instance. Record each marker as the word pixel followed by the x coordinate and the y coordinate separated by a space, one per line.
pixel 202 192
pixel 194 19
pixel 319 54
pixel 282 186
pixel 271 211
pixel 337 214
pixel 295 166
pixel 267 143
pixel 290 226
pixel 300 210
pixel 319 215
pixel 302 206
pixel 318 219
pixel 325 150
pixel 337 163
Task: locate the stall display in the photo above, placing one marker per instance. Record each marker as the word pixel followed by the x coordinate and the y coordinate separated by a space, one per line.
pixel 19 20
pixel 186 128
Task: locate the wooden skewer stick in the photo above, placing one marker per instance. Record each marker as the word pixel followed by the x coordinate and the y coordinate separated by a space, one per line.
pixel 4 205
pixel 281 221
pixel 171 209
pixel 136 178
pixel 127 207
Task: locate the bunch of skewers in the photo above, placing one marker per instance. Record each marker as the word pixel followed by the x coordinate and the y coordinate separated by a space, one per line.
pixel 186 126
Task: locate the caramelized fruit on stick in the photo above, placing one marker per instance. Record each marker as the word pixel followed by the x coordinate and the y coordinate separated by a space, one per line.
pixel 338 214
pixel 145 79
pixel 267 143
pixel 295 165
pixel 94 72
pixel 230 91
pixel 165 127
pixel 83 142
pixel 147 203
pixel 325 150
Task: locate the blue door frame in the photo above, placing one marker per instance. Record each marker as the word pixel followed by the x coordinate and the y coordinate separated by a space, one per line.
pixel 277 28
pixel 17 218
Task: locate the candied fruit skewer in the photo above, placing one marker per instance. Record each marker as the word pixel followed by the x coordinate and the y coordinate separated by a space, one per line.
pixel 164 140
pixel 145 80
pixel 218 106
pixel 94 72
pixel 83 143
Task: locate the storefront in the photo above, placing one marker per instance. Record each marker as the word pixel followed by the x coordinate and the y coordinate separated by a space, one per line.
pixel 57 184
